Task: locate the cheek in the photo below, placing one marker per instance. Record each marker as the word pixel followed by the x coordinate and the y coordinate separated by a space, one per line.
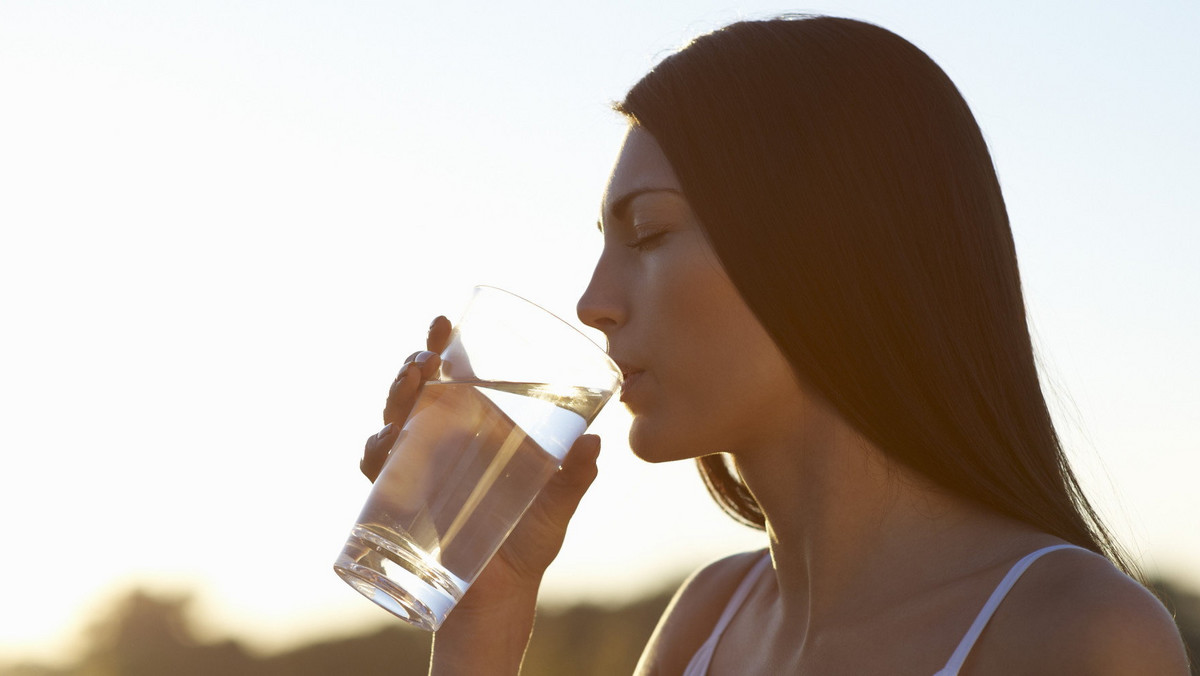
pixel 714 337
pixel 715 368
pixel 729 410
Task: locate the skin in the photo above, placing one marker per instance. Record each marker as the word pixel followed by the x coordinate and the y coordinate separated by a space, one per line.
pixel 874 569
pixel 672 317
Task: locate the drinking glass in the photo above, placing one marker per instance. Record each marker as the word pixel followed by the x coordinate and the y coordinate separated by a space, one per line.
pixel 516 387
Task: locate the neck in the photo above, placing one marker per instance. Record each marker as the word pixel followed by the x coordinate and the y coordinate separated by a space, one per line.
pixel 851 530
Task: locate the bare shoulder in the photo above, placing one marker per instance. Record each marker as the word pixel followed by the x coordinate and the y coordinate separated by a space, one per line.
pixel 1073 612
pixel 692 614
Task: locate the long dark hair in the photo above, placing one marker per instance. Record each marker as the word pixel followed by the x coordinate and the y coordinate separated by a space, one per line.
pixel 848 192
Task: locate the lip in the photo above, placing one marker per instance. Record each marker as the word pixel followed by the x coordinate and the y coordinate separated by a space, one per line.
pixel 629 378
pixel 628 386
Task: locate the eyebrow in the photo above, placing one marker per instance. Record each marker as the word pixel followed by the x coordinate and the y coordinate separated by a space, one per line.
pixel 621 205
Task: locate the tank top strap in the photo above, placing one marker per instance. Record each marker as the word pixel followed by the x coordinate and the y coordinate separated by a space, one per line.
pixel 698 665
pixel 959 657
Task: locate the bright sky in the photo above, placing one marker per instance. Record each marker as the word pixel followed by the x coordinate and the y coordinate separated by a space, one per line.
pixel 225 224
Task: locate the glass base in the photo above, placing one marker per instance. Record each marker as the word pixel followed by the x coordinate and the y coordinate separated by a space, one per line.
pixel 398 579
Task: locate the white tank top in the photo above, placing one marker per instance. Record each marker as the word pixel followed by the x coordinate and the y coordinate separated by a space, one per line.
pixel 698 666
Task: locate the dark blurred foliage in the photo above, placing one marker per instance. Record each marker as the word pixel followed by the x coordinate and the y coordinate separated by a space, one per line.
pixel 146 635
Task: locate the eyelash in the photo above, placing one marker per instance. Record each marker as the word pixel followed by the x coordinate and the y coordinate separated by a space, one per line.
pixel 642 243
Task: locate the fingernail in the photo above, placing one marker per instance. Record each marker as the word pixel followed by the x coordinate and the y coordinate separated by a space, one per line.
pixel 424 357
pixel 403 372
pixel 386 431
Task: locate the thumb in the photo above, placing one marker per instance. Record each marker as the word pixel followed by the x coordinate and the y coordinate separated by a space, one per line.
pixel 566 488
pixel 539 536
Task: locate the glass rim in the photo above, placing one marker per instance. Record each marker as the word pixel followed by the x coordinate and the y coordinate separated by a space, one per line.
pixel 620 381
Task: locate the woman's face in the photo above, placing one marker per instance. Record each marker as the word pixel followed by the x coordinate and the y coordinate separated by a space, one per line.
pixel 701 374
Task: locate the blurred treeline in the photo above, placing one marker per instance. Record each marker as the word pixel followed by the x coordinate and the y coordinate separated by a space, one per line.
pixel 144 635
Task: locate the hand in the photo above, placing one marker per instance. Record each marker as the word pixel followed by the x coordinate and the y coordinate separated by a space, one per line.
pixel 489 628
pixel 402 395
pixel 516 570
pixel 518 566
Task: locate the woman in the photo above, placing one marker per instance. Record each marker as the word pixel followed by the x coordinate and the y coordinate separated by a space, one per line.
pixel 809 280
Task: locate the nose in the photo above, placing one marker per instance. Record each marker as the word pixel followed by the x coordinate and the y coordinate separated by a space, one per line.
pixel 600 306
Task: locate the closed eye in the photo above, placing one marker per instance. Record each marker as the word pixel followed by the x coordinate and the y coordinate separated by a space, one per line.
pixel 646 241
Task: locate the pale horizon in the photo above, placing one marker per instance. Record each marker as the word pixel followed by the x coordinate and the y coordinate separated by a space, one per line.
pixel 226 225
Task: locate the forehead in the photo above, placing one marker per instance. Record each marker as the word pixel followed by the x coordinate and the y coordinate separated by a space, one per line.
pixel 641 166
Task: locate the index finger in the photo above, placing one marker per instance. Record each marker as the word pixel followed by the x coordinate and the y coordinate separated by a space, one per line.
pixel 439 334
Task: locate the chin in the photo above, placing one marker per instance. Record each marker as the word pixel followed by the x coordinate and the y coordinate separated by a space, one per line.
pixel 656 445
